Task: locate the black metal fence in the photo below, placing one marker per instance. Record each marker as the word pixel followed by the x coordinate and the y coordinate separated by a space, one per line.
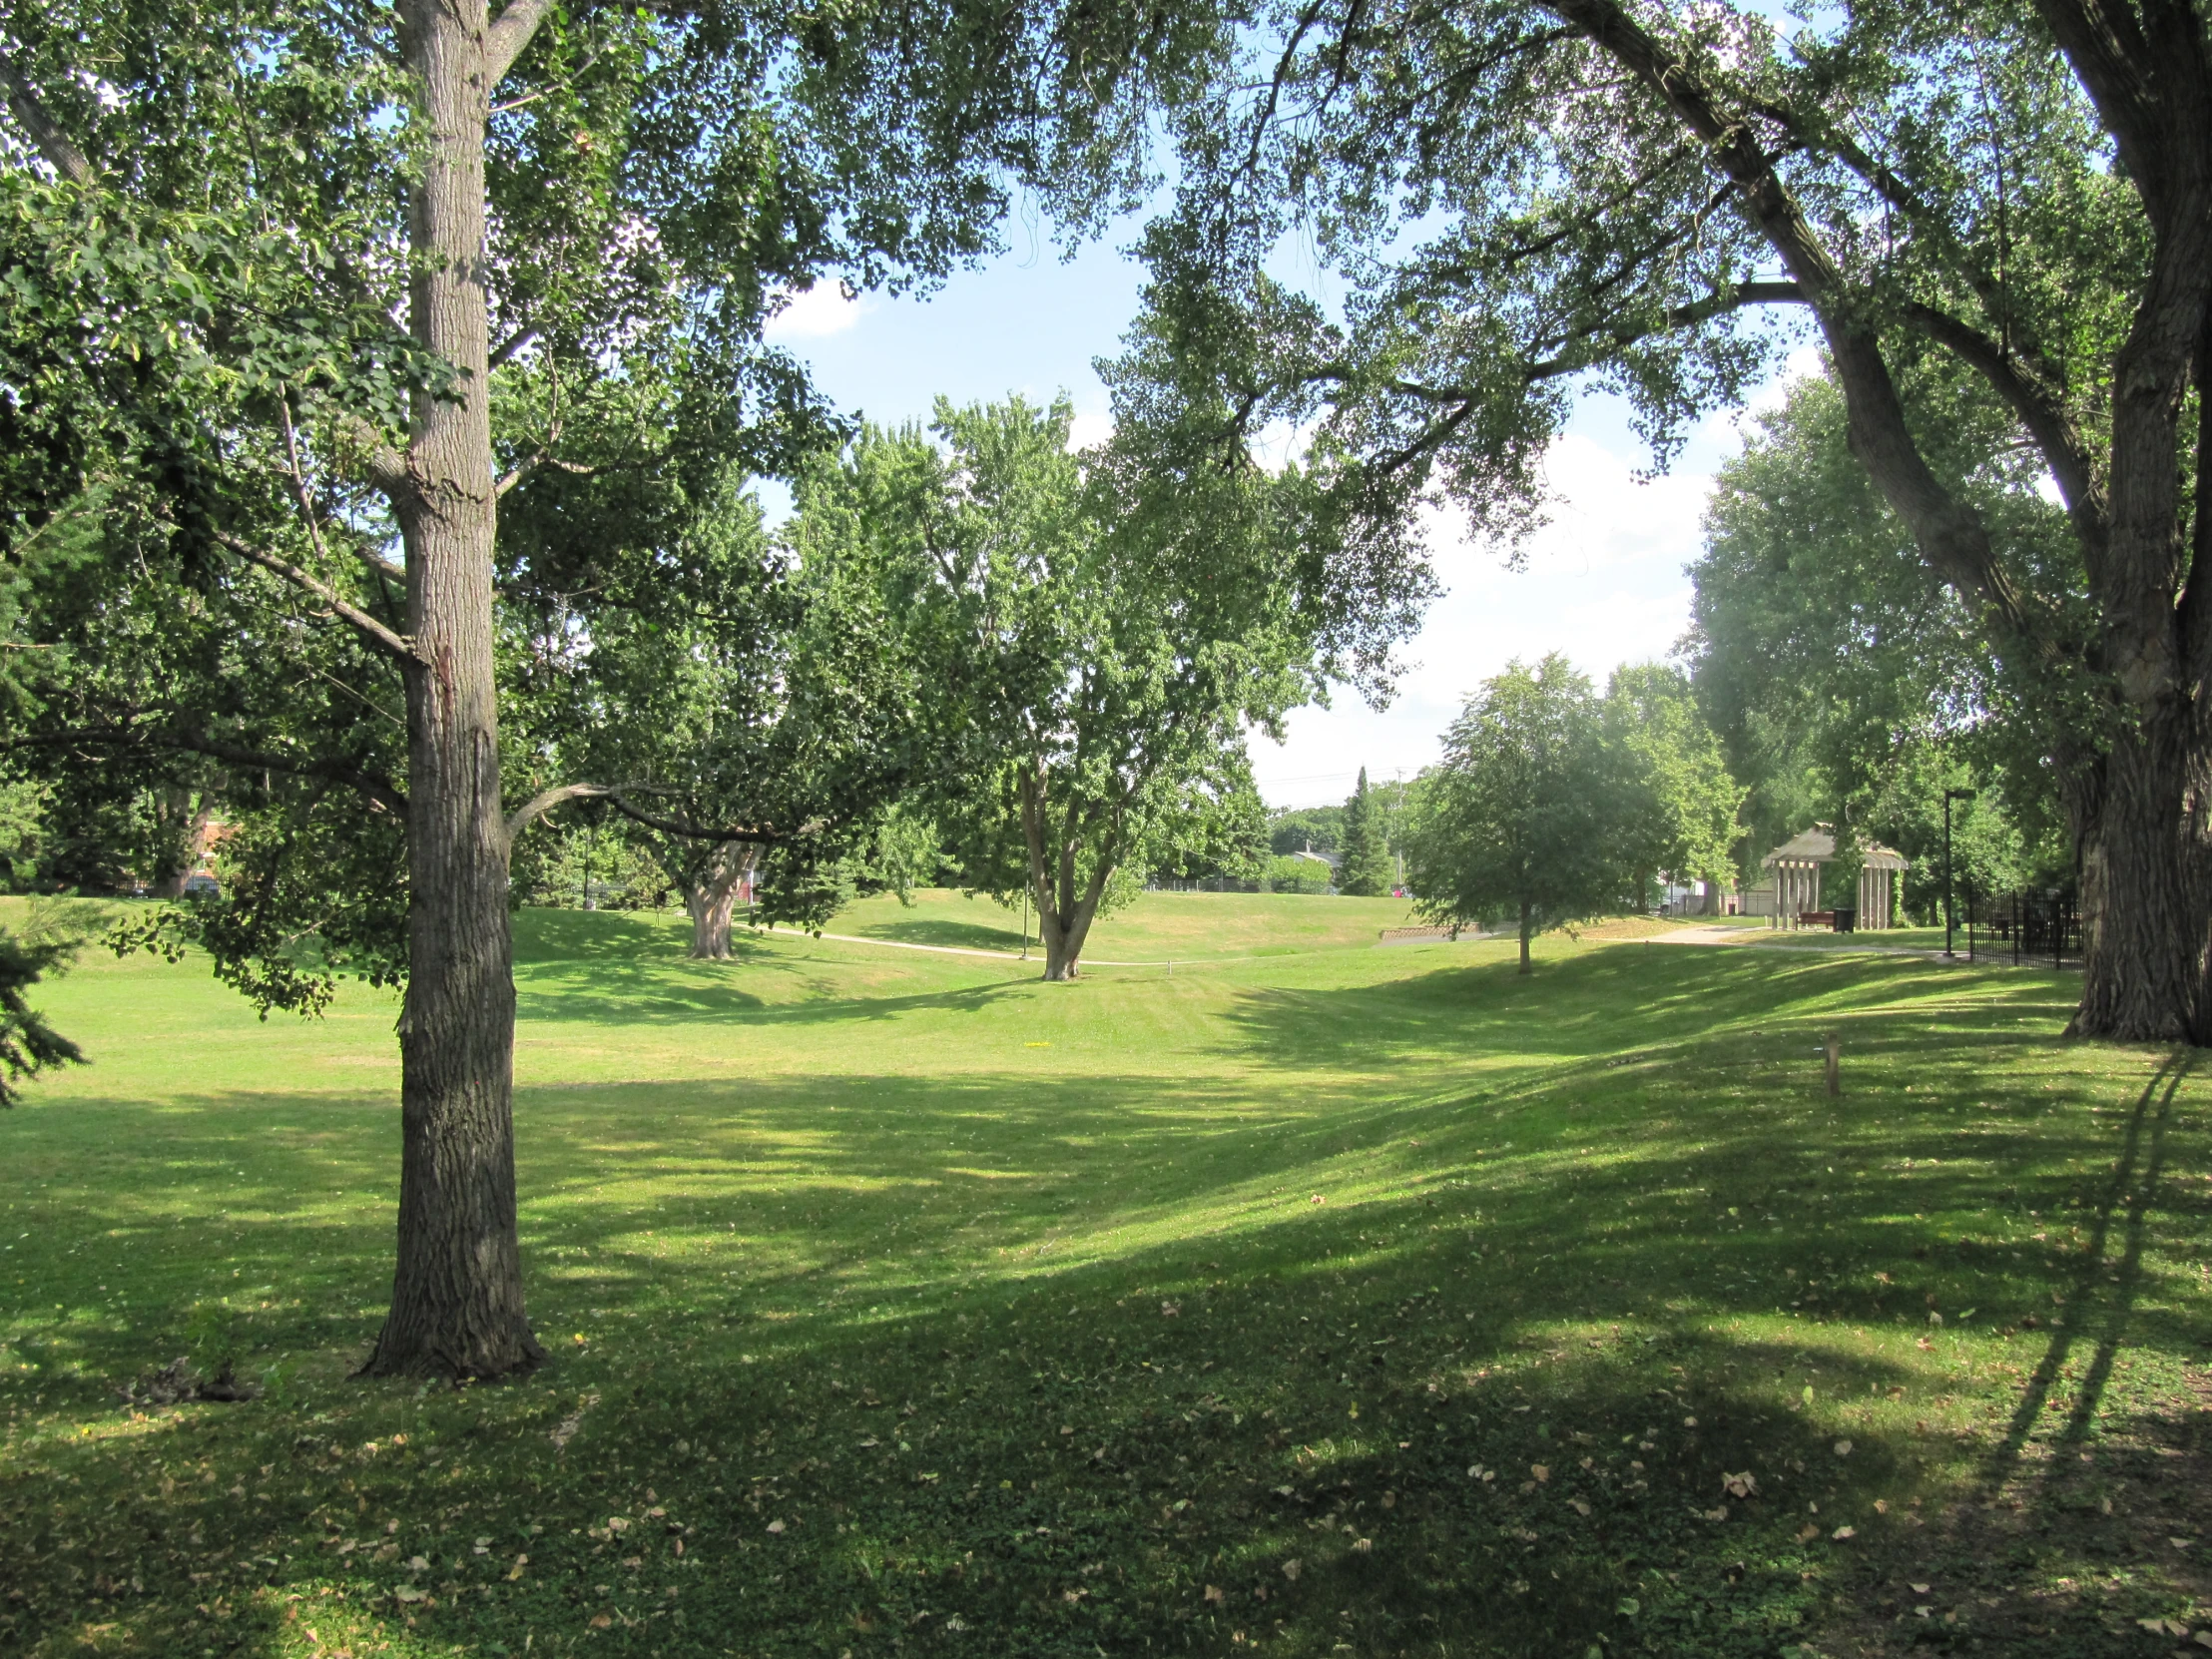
pixel 2026 928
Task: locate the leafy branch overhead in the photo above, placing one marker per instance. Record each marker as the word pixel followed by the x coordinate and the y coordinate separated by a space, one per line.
pixel 1990 218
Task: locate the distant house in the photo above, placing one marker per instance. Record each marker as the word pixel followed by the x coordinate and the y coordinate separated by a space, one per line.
pixel 1334 861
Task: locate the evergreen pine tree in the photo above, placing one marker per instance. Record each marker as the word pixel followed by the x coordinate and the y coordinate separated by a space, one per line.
pixel 1366 871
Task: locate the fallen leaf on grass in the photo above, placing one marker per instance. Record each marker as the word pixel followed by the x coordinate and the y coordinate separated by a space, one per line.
pixel 1740 1485
pixel 776 1526
pixel 1363 1546
pixel 1540 1472
pixel 1292 1568
pixel 1842 1532
pixel 1843 1448
pixel 601 1621
pixel 1807 1533
pixel 1212 1593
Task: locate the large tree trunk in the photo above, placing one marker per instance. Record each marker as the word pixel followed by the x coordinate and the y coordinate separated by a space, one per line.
pixel 2143 920
pixel 711 895
pixel 456 1306
pixel 1064 912
pixel 1062 933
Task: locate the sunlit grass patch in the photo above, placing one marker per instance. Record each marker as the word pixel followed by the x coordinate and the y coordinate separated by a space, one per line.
pixel 1226 1312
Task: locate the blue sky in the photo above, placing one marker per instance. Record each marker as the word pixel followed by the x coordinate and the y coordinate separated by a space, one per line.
pixel 1603 581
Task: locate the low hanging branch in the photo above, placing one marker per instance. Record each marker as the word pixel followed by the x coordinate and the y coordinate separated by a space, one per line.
pixel 396 646
pixel 616 795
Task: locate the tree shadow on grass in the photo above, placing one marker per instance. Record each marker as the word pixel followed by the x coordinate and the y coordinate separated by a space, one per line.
pixel 968 936
pixel 1142 1364
pixel 760 985
pixel 1610 1002
pixel 542 936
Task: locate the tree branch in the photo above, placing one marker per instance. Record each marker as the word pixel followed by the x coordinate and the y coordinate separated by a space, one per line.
pixel 522 469
pixel 504 41
pixel 396 646
pixel 1950 534
pixel 546 799
pixel 193 740
pixel 1719 303
pixel 2057 439
pixel 384 466
pixel 691 832
pixel 59 149
pixel 505 351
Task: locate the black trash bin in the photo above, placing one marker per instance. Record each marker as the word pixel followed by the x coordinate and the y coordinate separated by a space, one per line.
pixel 1847 921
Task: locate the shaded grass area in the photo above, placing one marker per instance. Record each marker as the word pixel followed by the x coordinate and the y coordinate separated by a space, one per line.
pixel 1157 925
pixel 1378 1301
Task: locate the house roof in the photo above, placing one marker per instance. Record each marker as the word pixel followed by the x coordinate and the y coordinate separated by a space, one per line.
pixel 1816 846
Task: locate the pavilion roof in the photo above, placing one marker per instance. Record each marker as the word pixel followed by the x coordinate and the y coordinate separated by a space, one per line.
pixel 1816 846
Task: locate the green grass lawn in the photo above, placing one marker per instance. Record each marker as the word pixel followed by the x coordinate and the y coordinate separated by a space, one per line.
pixel 1348 1301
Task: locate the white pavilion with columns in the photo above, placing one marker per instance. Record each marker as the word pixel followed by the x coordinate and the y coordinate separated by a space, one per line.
pixel 1797 865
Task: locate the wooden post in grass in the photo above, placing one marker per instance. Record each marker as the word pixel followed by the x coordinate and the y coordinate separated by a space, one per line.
pixel 1835 1064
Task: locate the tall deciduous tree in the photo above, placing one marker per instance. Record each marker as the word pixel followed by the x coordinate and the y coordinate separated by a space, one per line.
pixel 762 714
pixel 1524 819
pixel 1101 635
pixel 1680 819
pixel 212 217
pixel 1846 684
pixel 2014 201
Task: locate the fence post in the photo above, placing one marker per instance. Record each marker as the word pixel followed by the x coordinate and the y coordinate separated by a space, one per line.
pixel 1835 1064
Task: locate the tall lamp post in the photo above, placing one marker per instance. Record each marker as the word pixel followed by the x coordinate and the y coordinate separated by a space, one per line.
pixel 1949 917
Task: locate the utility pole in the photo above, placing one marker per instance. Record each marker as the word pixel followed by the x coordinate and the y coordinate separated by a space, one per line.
pixel 1950 921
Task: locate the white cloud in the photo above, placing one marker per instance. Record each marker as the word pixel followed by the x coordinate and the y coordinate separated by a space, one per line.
pixel 818 313
pixel 1603 584
pixel 1089 428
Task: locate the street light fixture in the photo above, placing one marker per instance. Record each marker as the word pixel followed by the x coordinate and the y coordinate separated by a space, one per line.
pixel 1951 919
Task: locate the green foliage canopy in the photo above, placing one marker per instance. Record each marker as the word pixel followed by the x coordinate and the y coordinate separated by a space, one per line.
pixel 1991 216
pixel 1099 640
pixel 1524 819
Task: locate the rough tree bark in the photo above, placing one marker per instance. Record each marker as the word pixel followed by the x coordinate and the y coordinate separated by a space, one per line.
pixel 711 895
pixel 458 1301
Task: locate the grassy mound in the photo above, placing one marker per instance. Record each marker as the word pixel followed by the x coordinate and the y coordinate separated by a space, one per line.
pixel 1352 1301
